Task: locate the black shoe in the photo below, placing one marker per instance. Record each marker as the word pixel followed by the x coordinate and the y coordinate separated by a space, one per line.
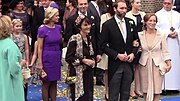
pixel 139 95
pixel 174 91
pixel 163 93
pixel 134 97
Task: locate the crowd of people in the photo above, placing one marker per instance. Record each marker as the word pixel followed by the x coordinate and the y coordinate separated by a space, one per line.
pixel 132 53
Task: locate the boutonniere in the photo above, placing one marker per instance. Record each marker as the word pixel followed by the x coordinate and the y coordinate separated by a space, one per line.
pixel 79 18
pixel 131 22
pixel 92 17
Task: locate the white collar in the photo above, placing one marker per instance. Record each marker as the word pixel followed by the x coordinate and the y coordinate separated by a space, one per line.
pixel 166 10
pixel 118 20
pixel 81 13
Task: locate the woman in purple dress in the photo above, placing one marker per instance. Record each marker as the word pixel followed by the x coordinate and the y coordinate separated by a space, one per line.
pixel 49 53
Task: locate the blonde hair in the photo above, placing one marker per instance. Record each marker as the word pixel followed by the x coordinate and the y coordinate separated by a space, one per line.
pixel 50 12
pixel 5 26
pixel 51 2
pixel 15 21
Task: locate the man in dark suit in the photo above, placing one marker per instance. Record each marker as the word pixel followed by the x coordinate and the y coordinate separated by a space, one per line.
pixel 119 33
pixel 93 9
pixel 71 28
pixel 176 5
pixel 39 14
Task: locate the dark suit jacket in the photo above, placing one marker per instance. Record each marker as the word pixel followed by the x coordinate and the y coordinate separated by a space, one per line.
pixel 38 18
pixel 71 29
pixel 92 10
pixel 177 4
pixel 112 36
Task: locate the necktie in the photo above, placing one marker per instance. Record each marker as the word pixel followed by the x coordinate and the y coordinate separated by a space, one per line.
pixel 122 30
pixel 121 27
pixel 97 8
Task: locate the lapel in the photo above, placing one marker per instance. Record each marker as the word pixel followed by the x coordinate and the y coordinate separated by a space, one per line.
pixel 93 10
pixel 144 40
pixel 128 29
pixel 156 39
pixel 117 30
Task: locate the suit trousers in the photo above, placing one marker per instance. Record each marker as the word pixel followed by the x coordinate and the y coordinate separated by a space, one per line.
pixel 119 85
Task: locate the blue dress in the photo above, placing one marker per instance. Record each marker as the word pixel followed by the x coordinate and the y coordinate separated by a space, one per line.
pixel 51 52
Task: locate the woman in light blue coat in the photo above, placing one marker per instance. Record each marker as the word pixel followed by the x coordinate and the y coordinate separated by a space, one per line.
pixel 11 84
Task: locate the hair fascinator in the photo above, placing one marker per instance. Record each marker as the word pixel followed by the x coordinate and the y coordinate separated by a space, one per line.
pixel 79 19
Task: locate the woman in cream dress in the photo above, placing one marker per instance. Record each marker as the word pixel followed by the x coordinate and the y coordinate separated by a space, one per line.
pixel 155 59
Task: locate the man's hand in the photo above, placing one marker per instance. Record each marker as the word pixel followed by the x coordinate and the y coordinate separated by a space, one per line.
pixel 130 57
pixel 89 62
pixel 136 43
pixel 122 57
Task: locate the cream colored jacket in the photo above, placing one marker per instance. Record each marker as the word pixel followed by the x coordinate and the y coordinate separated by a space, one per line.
pixel 130 15
pixel 158 51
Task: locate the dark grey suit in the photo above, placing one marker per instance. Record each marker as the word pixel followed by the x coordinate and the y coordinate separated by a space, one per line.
pixel 119 73
pixel 92 10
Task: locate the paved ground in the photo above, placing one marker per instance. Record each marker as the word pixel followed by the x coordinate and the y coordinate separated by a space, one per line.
pixel 99 91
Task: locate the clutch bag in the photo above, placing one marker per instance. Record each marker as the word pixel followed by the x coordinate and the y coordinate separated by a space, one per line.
pixel 71 79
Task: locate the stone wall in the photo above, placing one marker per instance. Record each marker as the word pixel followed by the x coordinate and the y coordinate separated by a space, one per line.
pixel 151 5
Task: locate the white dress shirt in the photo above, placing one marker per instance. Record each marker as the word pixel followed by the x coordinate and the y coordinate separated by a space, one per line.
pixel 123 28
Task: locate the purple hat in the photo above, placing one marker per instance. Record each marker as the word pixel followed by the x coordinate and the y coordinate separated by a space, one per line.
pixel 54 5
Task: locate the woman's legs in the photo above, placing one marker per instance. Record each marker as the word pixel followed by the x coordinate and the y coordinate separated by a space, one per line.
pixel 25 91
pixel 49 90
pixel 137 80
pixel 45 90
pixel 156 97
pixel 132 91
pixel 145 96
pixel 53 90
